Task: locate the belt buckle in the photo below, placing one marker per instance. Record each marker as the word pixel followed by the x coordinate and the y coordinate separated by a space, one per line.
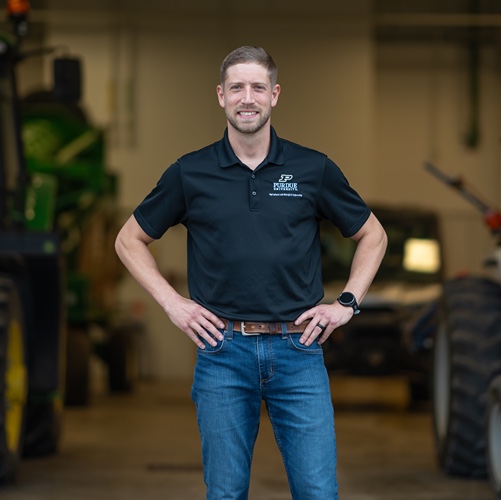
pixel 244 333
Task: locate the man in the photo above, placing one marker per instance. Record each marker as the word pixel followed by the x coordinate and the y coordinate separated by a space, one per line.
pixel 252 204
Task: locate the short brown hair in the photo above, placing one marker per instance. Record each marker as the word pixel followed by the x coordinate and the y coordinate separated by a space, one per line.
pixel 247 54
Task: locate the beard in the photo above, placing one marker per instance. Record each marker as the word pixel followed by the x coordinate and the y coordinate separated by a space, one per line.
pixel 249 128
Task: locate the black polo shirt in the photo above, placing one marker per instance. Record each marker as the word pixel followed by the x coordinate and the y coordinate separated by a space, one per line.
pixel 253 236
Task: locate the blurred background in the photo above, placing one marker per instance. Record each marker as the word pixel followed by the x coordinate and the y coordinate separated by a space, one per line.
pixel 381 86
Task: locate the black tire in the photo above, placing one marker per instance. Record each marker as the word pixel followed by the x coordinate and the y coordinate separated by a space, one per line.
pixel 466 349
pixel 43 426
pixel 122 360
pixel 418 359
pixel 78 353
pixel 494 435
pixel 13 378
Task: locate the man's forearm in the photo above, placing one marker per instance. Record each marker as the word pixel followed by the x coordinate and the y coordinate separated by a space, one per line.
pixel 197 322
pixel 369 253
pixel 137 258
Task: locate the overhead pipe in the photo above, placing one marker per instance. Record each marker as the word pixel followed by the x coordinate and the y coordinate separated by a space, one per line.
pixel 472 137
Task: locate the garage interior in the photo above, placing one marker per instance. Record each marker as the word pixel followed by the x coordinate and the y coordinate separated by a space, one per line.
pixel 146 445
pixel 381 86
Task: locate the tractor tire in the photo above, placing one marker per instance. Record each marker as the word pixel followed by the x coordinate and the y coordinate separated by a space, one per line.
pixel 43 427
pixel 466 350
pixel 78 354
pixel 122 360
pixel 13 378
pixel 494 435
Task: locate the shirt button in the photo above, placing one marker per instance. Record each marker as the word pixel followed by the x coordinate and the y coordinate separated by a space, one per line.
pixel 253 176
pixel 254 193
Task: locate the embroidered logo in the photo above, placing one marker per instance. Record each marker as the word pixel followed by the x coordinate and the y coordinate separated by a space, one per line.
pixel 284 183
pixel 284 186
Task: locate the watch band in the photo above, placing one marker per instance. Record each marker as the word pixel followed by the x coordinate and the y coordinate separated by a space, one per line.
pixel 347 299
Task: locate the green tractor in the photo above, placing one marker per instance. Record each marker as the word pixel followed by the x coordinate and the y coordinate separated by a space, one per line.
pixel 32 326
pixel 65 156
pixel 58 269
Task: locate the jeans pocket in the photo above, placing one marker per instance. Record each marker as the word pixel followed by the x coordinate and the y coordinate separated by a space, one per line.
pixel 213 349
pixel 314 348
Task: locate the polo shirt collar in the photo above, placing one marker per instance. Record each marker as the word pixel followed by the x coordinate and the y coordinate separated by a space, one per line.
pixel 227 157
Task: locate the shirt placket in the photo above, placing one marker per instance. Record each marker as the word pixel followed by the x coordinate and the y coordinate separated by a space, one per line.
pixel 254 205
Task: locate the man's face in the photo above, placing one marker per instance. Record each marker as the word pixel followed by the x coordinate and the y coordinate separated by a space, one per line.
pixel 247 97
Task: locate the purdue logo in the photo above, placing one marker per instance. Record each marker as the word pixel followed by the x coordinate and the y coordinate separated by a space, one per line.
pixel 284 183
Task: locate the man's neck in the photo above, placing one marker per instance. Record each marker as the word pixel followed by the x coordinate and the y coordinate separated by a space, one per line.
pixel 250 149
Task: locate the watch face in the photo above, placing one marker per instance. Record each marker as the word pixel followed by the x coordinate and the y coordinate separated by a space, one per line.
pixel 347 298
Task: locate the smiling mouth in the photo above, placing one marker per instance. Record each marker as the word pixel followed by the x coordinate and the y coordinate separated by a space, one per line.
pixel 247 113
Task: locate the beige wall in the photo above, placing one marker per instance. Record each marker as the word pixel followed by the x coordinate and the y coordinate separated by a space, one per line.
pixel 422 113
pixel 378 111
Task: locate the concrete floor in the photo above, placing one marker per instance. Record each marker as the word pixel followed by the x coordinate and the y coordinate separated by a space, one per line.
pixel 146 446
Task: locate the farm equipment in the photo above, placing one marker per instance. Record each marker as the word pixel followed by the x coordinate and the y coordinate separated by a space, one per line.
pixel 58 268
pixel 467 361
pixel 381 341
pixel 61 145
pixel 31 288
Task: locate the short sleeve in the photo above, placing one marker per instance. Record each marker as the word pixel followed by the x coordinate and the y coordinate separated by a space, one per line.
pixel 164 206
pixel 339 202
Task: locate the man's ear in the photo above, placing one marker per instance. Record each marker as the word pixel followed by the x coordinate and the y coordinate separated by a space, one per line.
pixel 220 95
pixel 274 95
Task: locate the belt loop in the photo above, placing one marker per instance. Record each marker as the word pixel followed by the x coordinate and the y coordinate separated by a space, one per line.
pixel 284 330
pixel 229 333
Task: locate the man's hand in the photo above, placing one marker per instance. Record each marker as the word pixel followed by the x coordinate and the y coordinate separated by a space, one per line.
pixel 195 321
pixel 330 316
pixel 371 245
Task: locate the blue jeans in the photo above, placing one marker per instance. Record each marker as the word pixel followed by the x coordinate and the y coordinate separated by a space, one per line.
pixel 230 382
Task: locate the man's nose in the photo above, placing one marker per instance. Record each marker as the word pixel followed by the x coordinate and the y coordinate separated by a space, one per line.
pixel 248 96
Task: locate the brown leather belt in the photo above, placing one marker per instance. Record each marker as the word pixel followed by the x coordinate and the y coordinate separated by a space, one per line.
pixel 258 327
